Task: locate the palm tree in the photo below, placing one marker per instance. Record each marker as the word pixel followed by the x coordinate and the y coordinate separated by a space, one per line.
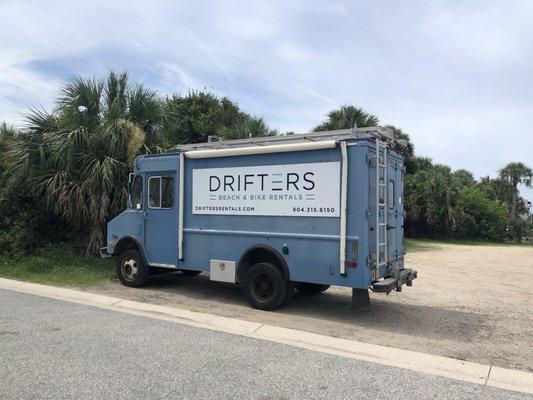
pixel 347 117
pixel 78 157
pixel 464 177
pixel 407 150
pixel 432 201
pixel 516 173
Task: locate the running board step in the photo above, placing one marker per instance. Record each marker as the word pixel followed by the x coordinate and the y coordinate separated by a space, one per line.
pixel 389 284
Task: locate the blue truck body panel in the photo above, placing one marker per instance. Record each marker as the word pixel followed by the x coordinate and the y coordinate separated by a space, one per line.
pixel 309 245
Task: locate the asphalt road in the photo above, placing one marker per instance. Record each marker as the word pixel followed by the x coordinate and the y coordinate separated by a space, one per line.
pixel 50 349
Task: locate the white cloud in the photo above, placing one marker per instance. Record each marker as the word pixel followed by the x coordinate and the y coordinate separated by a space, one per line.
pixel 176 77
pixel 496 32
pixel 21 89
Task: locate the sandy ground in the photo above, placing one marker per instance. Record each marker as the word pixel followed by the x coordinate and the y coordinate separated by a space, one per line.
pixel 469 302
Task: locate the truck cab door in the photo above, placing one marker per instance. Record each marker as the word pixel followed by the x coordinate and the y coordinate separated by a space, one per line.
pixel 132 224
pixel 161 220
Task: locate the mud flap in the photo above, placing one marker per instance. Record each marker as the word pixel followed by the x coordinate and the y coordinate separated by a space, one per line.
pixel 360 299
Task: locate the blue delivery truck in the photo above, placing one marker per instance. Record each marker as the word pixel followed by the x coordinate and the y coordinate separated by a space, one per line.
pixel 272 214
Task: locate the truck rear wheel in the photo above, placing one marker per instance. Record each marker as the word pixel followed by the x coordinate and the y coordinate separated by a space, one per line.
pixel 311 288
pixel 131 269
pixel 265 287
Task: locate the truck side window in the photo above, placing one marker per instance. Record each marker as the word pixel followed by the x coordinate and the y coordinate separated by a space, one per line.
pixel 154 192
pixel 390 194
pixel 167 192
pixel 161 192
pixel 136 193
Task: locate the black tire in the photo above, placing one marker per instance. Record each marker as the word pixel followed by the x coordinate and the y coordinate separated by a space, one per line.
pixel 265 287
pixel 131 269
pixel 311 288
pixel 190 272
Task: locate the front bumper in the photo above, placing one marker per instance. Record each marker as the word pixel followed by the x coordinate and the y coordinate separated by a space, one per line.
pixel 104 253
pixel 404 276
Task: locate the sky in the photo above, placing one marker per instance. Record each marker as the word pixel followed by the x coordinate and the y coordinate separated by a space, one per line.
pixel 456 75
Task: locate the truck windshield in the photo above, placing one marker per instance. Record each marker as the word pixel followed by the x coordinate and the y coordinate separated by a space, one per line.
pixel 136 192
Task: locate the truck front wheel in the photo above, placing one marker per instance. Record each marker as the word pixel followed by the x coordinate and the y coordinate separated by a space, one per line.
pixel 265 287
pixel 131 269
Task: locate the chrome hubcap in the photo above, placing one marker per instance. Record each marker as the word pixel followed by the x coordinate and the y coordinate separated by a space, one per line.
pixel 129 269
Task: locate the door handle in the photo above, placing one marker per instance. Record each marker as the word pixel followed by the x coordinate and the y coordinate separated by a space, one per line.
pixel 389 227
pixel 145 216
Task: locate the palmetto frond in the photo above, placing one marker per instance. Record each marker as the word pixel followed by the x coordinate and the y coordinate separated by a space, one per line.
pixel 347 117
pixel 115 92
pixel 38 121
pixel 144 108
pixel 79 103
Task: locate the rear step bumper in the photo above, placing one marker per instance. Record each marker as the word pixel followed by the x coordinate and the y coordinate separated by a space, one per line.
pixel 394 283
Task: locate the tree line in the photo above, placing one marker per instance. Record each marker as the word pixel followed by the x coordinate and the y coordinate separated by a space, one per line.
pixel 64 174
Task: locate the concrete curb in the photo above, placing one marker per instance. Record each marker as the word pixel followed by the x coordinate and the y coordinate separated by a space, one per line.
pixel 509 379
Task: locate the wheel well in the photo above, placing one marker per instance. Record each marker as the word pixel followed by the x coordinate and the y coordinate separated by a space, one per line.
pixel 261 253
pixel 129 243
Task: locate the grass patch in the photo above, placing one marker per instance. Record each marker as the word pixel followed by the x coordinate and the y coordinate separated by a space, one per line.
pixel 484 243
pixel 421 244
pixel 57 265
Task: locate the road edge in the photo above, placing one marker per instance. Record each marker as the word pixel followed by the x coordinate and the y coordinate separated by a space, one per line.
pixel 482 374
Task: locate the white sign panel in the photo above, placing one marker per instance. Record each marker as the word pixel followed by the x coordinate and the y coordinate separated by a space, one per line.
pixel 293 190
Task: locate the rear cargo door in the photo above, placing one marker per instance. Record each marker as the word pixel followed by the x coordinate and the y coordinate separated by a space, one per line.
pixel 400 210
pixel 394 209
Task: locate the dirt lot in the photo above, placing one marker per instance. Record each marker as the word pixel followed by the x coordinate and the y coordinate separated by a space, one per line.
pixel 469 302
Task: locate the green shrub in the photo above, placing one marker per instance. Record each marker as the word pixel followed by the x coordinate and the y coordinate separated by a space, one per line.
pixel 25 223
pixel 432 202
pixel 519 229
pixel 483 219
